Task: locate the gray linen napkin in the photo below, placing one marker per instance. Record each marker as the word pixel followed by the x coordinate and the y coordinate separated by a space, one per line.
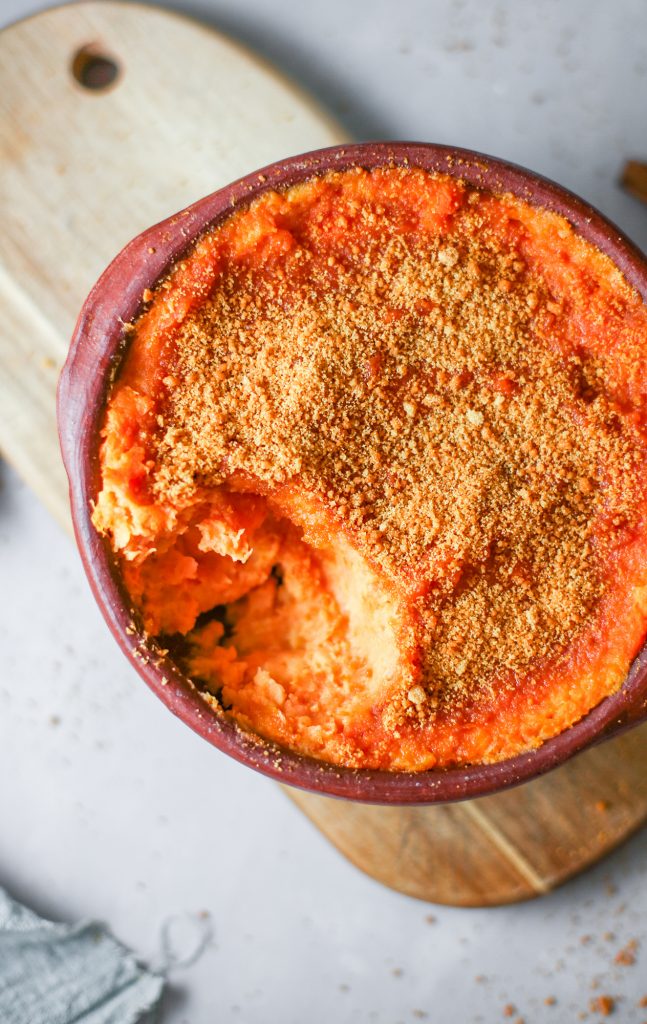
pixel 58 973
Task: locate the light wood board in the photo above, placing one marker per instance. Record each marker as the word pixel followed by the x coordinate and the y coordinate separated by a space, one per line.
pixel 83 171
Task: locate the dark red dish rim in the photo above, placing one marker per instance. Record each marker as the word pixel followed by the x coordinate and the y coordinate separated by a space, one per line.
pixel 99 339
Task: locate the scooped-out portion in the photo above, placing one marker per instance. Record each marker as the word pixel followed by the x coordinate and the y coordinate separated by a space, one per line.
pixel 374 468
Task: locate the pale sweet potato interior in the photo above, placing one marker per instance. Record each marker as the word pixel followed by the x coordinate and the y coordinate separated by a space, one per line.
pixel 300 641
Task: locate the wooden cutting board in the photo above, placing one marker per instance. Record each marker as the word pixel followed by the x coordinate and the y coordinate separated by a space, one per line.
pixel 114 116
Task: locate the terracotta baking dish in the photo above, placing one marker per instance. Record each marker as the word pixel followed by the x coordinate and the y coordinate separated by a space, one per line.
pixel 97 341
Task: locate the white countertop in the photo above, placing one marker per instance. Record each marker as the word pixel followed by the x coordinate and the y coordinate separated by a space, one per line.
pixel 113 809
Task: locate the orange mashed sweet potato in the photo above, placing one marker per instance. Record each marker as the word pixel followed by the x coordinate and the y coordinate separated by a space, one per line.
pixel 374 469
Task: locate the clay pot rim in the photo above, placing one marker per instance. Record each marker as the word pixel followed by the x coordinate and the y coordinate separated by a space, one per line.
pixel 98 339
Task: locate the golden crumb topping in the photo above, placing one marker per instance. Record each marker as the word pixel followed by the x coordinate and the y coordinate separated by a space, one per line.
pixel 452 390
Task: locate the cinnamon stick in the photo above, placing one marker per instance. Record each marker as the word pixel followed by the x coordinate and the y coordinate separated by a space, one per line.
pixel 634 179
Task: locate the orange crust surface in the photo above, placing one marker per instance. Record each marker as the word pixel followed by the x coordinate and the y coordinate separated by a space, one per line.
pixel 374 467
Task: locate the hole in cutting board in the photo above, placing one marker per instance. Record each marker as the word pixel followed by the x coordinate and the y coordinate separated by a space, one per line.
pixel 93 69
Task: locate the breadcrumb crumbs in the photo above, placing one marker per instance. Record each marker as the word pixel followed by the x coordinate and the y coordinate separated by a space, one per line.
pixel 604 1005
pixel 402 350
pixel 627 955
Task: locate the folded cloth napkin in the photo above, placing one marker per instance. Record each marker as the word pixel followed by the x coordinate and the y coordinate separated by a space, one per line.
pixel 58 973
